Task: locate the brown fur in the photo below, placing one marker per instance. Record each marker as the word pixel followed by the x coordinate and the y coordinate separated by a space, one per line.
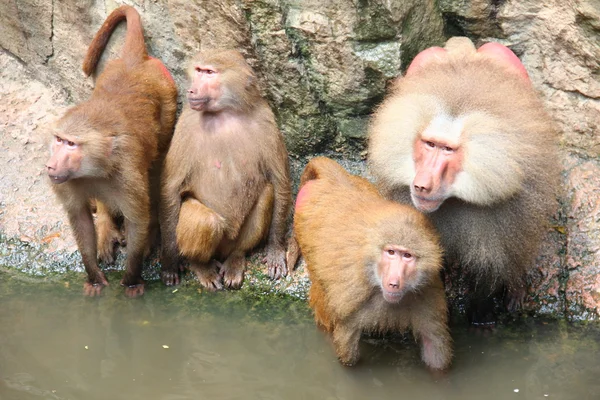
pixel 342 225
pixel 494 223
pixel 200 230
pixel 230 160
pixel 108 234
pixel 122 132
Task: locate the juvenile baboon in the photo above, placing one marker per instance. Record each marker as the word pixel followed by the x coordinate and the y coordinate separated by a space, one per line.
pixel 373 264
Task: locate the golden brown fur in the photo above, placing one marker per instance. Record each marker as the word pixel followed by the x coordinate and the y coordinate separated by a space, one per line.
pixel 108 234
pixel 228 159
pixel 198 238
pixel 118 137
pixel 493 222
pixel 342 225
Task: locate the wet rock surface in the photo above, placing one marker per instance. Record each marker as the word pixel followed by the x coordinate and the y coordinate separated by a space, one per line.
pixel 323 66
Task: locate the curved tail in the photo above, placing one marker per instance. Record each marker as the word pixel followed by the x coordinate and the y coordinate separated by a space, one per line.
pixel 134 50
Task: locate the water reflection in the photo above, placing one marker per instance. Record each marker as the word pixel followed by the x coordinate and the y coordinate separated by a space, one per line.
pixel 54 344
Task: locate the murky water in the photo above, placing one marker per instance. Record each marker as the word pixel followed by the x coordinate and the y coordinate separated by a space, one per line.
pixel 55 344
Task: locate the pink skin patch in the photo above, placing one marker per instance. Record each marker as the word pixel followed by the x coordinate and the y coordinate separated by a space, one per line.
pixel 425 57
pixel 164 69
pixel 218 164
pixel 493 50
pixel 302 195
pixel 437 163
pixel 505 56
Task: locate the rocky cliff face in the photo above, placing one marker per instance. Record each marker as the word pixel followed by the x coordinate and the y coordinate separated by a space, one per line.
pixel 559 43
pixel 323 65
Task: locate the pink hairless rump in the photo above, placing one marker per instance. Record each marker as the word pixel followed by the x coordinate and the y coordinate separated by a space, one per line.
pixel 425 57
pixel 504 55
pixel 164 69
pixel 303 194
pixel 493 50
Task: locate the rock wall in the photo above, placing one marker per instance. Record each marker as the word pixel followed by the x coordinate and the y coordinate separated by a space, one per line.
pixel 559 44
pixel 323 65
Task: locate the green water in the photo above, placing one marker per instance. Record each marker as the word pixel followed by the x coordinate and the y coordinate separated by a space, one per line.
pixel 55 344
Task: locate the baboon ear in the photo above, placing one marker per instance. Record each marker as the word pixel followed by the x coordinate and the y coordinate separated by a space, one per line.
pixel 425 57
pixel 504 55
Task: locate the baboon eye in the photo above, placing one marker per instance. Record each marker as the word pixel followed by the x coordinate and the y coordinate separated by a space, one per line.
pixel 407 256
pixel 447 149
pixel 206 71
pixel 71 145
pixel 429 144
pixel 391 252
pixel 58 140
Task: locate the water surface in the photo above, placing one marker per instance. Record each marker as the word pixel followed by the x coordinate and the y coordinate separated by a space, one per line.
pixel 55 344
